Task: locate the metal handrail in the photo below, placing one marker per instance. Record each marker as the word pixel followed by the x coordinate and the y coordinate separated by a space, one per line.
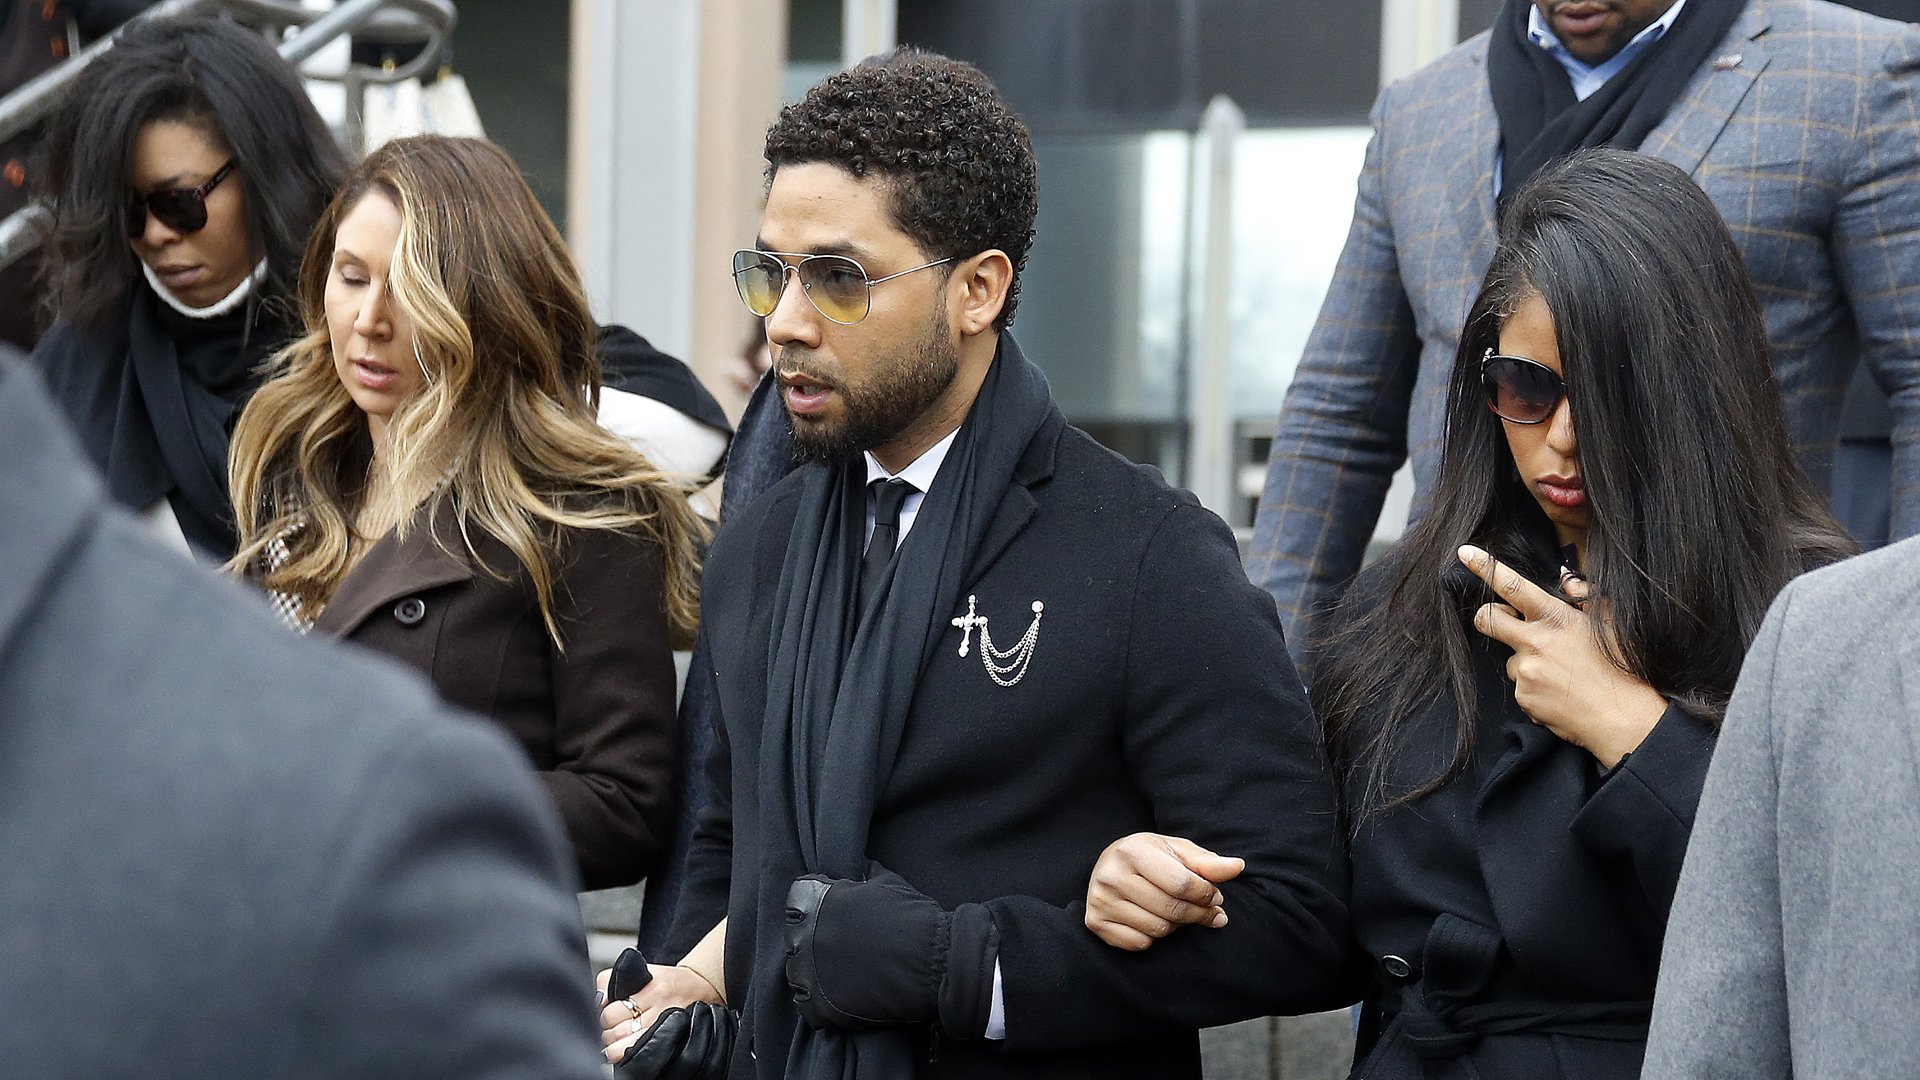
pixel 391 21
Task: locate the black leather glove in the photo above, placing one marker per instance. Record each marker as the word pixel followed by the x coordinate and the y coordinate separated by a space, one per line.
pixel 691 1043
pixel 629 975
pixel 863 954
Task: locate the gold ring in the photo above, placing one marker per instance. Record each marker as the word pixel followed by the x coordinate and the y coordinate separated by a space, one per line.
pixel 628 1002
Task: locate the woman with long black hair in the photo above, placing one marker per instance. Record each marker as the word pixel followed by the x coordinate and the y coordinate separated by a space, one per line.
pixel 1520 699
pixel 184 170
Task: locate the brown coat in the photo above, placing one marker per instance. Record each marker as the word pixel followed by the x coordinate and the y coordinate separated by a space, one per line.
pixel 597 718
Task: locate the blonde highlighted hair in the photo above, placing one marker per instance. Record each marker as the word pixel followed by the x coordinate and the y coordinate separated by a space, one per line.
pixel 503 433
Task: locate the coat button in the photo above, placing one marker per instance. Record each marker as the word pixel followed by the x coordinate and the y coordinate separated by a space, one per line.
pixel 410 611
pixel 1395 966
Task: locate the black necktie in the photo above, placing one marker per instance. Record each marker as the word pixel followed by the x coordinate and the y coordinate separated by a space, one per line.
pixel 888 497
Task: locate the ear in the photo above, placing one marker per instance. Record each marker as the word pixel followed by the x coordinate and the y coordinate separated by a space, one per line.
pixel 979 288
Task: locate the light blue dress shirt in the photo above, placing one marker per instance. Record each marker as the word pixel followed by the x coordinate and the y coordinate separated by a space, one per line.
pixel 1587 78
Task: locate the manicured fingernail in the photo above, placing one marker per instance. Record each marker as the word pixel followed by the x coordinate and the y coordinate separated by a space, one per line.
pixel 1468 553
pixel 599 998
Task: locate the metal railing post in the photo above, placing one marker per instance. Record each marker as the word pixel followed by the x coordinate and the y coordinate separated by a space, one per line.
pixel 1210 367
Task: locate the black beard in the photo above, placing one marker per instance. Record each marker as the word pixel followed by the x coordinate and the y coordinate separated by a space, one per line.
pixel 886 403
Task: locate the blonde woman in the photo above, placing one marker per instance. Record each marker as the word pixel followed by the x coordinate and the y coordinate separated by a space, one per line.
pixel 423 474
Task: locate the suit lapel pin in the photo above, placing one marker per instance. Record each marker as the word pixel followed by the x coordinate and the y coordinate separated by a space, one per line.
pixel 1727 62
pixel 1004 666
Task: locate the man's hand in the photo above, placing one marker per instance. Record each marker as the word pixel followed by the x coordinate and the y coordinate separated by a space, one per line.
pixel 862 954
pixel 1562 677
pixel 624 1020
pixel 1147 885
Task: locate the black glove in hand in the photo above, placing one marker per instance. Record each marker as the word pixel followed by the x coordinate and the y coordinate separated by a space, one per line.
pixel 862 954
pixel 691 1043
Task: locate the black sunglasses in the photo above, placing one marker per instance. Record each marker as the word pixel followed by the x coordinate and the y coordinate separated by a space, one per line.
pixel 1520 390
pixel 184 210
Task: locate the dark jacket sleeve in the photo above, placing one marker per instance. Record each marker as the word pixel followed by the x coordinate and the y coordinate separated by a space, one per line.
pixel 704 893
pixel 1343 427
pixel 613 688
pixel 1219 736
pixel 448 936
pixel 1643 813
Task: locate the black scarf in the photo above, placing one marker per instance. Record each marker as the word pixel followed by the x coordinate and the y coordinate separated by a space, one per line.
pixel 840 684
pixel 1533 96
pixel 155 407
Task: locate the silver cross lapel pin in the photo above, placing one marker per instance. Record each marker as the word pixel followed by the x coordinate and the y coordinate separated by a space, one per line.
pixel 966 623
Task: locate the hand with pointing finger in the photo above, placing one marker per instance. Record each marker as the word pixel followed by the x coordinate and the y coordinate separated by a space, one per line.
pixel 1562 677
pixel 1146 886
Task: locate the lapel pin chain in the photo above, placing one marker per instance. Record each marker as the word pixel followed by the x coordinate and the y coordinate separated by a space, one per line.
pixel 1004 666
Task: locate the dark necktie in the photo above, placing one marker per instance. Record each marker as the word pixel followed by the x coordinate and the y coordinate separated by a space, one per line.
pixel 888 497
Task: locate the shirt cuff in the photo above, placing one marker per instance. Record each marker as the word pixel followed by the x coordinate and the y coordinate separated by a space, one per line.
pixel 997 1012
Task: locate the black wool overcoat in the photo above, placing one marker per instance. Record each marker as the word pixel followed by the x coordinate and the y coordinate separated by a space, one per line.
pixel 1159 696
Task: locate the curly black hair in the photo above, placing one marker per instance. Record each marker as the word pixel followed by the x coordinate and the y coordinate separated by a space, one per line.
pixel 958 163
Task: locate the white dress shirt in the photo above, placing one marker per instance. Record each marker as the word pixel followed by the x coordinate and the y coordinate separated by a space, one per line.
pixel 920 475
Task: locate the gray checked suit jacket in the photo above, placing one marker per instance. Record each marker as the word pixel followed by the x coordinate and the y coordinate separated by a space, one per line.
pixel 1794 939
pixel 1805 132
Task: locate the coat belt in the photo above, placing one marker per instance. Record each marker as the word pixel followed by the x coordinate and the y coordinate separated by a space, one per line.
pixel 1442 1018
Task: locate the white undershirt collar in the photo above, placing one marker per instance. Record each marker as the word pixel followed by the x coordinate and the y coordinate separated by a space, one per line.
pixel 219 307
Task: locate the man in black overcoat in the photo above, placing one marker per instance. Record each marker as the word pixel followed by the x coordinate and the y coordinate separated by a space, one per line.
pixel 962 650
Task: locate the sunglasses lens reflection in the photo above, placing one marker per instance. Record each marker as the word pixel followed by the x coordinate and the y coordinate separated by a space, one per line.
pixel 1522 392
pixel 837 286
pixel 758 277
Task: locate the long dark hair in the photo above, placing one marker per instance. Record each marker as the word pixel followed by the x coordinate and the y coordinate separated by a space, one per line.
pixel 219 77
pixel 1698 514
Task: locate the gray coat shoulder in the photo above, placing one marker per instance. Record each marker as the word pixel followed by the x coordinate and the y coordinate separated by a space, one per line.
pixel 1844 613
pixel 300 860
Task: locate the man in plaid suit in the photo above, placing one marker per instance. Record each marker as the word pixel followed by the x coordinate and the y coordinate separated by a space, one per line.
pixel 1802 125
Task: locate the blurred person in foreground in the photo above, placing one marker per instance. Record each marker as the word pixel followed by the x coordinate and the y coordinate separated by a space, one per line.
pixel 185 170
pixel 1521 697
pixel 1797 117
pixel 1795 934
pixel 423 474
pixel 230 852
pixel 959 651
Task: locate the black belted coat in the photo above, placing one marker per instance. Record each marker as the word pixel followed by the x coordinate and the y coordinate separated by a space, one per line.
pixel 1509 924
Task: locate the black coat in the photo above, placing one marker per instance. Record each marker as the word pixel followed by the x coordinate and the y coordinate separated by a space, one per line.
pixel 1159 696
pixel 595 719
pixel 1533 886
pixel 153 396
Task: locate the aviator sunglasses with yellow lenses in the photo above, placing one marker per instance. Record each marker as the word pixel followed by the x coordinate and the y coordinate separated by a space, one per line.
pixel 838 287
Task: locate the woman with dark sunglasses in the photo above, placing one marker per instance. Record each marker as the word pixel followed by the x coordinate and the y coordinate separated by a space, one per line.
pixel 184 170
pixel 1521 697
